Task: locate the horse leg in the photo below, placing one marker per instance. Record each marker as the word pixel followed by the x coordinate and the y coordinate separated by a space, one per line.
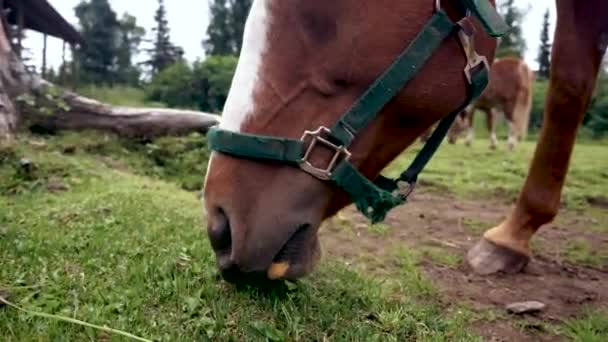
pixel 469 113
pixel 513 134
pixel 491 123
pixel 580 43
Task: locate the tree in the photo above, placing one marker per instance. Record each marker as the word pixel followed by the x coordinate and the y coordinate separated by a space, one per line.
pixel 99 26
pixel 212 79
pixel 164 53
pixel 218 41
pixel 238 17
pixel 597 114
pixel 544 51
pixel 27 99
pixel 512 43
pixel 203 86
pixel 225 31
pixel 130 37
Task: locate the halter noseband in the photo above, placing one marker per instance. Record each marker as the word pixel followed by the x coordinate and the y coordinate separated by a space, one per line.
pixel 376 199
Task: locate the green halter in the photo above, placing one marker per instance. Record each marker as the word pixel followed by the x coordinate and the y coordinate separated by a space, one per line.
pixel 375 199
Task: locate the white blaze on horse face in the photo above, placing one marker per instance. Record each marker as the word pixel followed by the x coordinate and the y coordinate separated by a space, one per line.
pixel 240 104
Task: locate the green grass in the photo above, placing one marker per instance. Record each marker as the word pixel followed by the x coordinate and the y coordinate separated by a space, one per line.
pixel 579 251
pixel 125 250
pixel 121 244
pixel 478 172
pixel 119 95
pixel 591 328
pixel 439 256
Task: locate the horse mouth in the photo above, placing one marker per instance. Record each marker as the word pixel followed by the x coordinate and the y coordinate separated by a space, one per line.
pixel 298 256
pixel 293 249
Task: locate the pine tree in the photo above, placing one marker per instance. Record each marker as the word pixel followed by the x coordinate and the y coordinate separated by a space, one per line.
pixel 513 43
pixel 130 37
pixel 99 26
pixel 225 31
pixel 164 53
pixel 239 10
pixel 218 40
pixel 544 51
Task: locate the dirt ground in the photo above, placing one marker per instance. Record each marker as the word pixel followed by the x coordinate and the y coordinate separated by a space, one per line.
pixel 452 226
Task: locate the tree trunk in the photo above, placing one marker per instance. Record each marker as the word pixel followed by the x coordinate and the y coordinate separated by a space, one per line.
pixel 27 99
pixel 8 114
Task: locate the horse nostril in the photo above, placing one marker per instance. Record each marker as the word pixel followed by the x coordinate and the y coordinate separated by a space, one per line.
pixel 219 232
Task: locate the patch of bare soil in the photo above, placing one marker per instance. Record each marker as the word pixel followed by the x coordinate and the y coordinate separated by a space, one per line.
pixel 455 225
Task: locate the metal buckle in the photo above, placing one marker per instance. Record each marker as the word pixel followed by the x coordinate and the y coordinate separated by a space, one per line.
pixel 474 63
pixel 465 35
pixel 405 190
pixel 317 138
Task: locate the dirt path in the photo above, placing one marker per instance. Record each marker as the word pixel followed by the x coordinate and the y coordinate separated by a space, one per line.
pixel 448 226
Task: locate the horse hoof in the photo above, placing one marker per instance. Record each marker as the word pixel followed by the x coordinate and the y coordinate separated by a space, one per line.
pixel 487 258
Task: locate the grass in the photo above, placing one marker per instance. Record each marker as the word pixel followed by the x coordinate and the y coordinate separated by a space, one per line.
pixel 478 172
pixel 117 247
pixel 111 232
pixel 593 327
pixel 119 95
pixel 579 251
pixel 439 256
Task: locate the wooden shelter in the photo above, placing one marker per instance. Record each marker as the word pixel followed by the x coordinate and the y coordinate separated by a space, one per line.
pixel 39 16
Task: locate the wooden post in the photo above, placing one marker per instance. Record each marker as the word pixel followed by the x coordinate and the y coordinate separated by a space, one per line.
pixel 75 76
pixel 44 55
pixel 20 26
pixel 63 68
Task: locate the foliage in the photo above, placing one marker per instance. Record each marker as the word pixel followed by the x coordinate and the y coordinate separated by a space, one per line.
pixel 540 89
pixel 595 122
pixel 98 26
pixel 203 86
pixel 173 86
pixel 212 77
pixel 46 103
pixel 130 38
pixel 111 44
pixel 225 32
pixel 544 51
pixel 597 114
pixel 164 53
pixel 512 43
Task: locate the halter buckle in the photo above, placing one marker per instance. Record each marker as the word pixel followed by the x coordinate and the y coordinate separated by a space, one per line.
pixel 317 137
pixel 405 190
pixel 466 37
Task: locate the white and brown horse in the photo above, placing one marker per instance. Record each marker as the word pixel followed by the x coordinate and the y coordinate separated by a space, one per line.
pixel 304 62
pixel 510 93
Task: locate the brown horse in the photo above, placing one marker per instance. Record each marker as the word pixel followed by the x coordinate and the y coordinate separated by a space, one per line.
pixel 305 62
pixel 509 91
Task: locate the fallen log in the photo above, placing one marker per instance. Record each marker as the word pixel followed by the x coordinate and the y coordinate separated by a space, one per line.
pixel 28 100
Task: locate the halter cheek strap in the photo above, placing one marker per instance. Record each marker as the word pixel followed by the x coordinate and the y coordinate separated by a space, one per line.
pixel 375 199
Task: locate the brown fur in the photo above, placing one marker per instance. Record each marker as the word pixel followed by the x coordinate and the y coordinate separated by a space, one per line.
pixel 510 92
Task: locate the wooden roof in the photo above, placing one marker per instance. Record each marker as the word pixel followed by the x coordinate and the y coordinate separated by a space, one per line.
pixel 41 16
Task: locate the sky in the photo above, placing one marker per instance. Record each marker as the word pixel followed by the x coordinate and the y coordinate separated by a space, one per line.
pixel 188 20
